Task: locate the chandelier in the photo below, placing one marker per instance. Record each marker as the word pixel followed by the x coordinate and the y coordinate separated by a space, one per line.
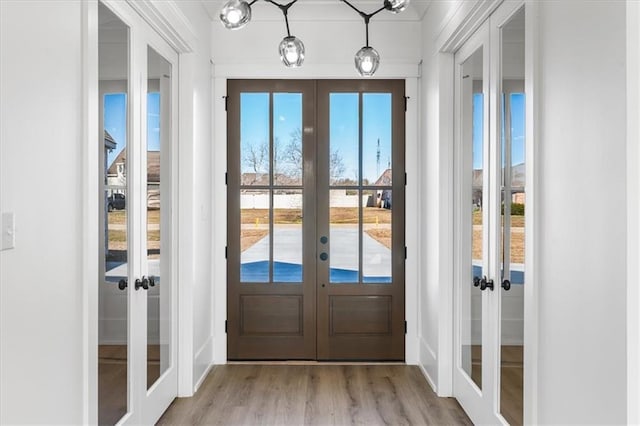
pixel 235 14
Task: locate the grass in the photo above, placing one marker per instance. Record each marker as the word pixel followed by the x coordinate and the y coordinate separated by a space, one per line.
pixel 516 221
pixel 383 236
pixel 119 217
pixel 338 215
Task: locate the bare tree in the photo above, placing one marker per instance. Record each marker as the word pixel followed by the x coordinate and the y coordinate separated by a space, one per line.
pixel 293 155
pixel 256 157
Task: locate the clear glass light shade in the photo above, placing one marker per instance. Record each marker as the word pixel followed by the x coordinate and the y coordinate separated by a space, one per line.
pixel 235 14
pixel 396 6
pixel 367 60
pixel 291 51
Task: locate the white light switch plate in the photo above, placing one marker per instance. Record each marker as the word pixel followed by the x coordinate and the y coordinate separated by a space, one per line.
pixel 8 231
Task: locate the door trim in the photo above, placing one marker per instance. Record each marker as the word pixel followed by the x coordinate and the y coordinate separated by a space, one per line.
pixel 169 18
pixel 412 221
pixel 460 27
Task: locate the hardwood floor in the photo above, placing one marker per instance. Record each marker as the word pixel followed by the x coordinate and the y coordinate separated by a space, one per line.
pixel 316 394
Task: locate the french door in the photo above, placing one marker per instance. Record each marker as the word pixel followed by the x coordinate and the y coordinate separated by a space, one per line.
pixel 490 200
pixel 315 264
pixel 137 352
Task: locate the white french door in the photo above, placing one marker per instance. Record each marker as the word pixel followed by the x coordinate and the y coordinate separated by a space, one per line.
pixel 489 223
pixel 137 343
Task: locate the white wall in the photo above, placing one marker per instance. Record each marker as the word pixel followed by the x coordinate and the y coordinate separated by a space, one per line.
pixel 40 280
pixel 198 172
pixel 582 194
pixel 581 186
pixel 633 210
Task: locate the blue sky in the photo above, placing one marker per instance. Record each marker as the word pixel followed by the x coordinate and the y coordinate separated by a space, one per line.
pixel 517 129
pixel 115 121
pixel 287 116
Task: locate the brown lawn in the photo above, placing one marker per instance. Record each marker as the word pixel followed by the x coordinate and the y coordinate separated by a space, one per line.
pixel 383 236
pixel 517 244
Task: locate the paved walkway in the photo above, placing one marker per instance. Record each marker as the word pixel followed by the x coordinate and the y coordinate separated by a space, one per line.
pixel 287 248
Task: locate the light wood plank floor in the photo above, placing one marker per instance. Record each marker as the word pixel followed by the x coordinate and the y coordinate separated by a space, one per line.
pixel 317 394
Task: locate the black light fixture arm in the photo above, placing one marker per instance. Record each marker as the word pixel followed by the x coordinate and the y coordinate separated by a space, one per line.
pixel 285 9
pixel 366 16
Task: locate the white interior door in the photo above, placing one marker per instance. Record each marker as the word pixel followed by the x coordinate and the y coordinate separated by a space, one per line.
pixel 137 367
pixel 489 272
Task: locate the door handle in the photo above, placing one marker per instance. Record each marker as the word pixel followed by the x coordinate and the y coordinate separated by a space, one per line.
pixel 324 240
pixel 144 283
pixel 506 284
pixel 152 281
pixel 122 284
pixel 324 256
pixel 483 283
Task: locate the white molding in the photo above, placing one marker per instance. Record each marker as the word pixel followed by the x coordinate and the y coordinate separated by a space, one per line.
pixel 466 20
pixel 168 21
pixel 428 357
pixel 203 354
pixel 412 224
pixel 633 211
pixel 532 233
pixel 315 71
pixel 90 196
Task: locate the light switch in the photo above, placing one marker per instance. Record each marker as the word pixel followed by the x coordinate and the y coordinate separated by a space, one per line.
pixel 8 231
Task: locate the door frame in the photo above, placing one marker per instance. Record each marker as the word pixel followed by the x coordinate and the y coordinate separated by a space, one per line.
pixel 467 19
pixel 171 25
pixel 410 74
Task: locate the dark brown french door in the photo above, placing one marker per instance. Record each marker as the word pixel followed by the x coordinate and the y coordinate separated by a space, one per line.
pixel 316 185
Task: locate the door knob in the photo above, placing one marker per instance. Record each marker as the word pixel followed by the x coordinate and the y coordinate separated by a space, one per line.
pixel 476 281
pixel 144 283
pixel 486 284
pixel 506 284
pixel 324 256
pixel 122 284
pixel 324 240
pixel 152 280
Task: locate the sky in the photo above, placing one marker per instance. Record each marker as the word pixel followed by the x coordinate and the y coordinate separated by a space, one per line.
pixel 343 134
pixel 115 121
pixel 517 129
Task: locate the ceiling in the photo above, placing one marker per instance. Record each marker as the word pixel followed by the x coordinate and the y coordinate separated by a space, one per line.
pixel 324 10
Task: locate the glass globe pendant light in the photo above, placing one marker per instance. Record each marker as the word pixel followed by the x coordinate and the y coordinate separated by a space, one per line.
pixel 235 14
pixel 367 61
pixel 291 51
pixel 396 6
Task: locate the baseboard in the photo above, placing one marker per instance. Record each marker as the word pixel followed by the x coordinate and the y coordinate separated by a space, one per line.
pixel 428 358
pixel 203 361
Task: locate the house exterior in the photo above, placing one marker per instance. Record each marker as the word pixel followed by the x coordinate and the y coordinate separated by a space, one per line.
pixel 583 323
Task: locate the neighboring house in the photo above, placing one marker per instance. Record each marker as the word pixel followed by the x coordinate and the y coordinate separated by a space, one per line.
pixel 117 176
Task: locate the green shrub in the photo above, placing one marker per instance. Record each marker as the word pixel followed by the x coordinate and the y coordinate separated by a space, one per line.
pixel 517 209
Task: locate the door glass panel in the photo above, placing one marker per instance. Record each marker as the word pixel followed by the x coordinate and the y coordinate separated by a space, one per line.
pixel 376 237
pixel 158 215
pixel 287 236
pixel 113 50
pixel 472 121
pixel 344 225
pixel 254 138
pixel 513 181
pixel 376 139
pixel 255 235
pixel 344 136
pixel 287 139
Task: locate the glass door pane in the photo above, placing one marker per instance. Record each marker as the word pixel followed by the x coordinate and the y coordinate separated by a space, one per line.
pixel 158 215
pixel 473 148
pixel 113 294
pixel 513 228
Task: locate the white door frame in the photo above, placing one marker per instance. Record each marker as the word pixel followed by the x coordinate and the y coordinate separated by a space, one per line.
pixel 461 26
pixel 169 23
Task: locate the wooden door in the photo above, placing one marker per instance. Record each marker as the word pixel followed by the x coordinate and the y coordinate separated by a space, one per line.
pixel 315 252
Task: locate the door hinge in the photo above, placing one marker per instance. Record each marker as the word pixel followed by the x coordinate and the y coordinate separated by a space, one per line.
pixel 405 253
pixel 226 252
pixel 405 327
pixel 405 179
pixel 226 103
pixel 226 178
pixel 406 99
pixel 225 326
